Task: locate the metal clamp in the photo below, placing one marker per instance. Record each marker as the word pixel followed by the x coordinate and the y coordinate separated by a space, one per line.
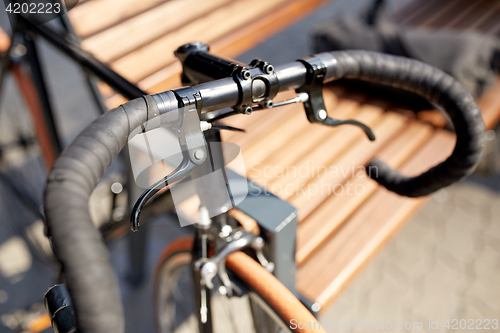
pixel 190 135
pixel 258 84
pixel 315 105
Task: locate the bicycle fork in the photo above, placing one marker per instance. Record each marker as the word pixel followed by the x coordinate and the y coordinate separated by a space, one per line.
pixel 201 292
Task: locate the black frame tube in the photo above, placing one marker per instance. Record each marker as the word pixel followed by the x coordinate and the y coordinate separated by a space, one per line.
pixel 200 250
pixel 41 87
pixel 85 59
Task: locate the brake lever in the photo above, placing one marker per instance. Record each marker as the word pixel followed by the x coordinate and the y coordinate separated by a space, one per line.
pixel 175 176
pixel 193 147
pixel 335 122
pixel 315 104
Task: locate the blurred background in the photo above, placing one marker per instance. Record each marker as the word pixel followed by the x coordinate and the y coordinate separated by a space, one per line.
pixel 443 264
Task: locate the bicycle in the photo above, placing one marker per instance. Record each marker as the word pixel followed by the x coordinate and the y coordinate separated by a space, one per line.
pixel 23 61
pixel 223 263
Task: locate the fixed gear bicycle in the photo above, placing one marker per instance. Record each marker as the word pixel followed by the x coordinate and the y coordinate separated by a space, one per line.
pixel 224 263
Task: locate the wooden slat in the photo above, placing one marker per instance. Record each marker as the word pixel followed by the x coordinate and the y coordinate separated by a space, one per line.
pixel 351 161
pixel 488 20
pixel 475 18
pixel 245 121
pixel 410 9
pixel 495 29
pixel 145 28
pixel 468 12
pixel 440 13
pixel 158 54
pixel 268 174
pixel 230 45
pixel 248 223
pixel 261 122
pixel 420 11
pixel 278 136
pixel 240 40
pixel 301 144
pixel 274 124
pixel 456 14
pixel 93 16
pixel 341 139
pixel 326 219
pixel 285 132
pixel 327 273
pixel 266 122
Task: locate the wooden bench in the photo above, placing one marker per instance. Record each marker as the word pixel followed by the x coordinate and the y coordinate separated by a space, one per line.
pixel 344 232
pixel 138 40
pixel 338 233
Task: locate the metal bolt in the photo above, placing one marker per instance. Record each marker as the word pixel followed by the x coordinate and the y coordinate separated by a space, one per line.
pixel 19 50
pixel 116 188
pixel 223 290
pixel 226 231
pixel 316 307
pixel 258 243
pixel 245 74
pixel 205 221
pixel 247 110
pixel 268 69
pixel 322 114
pixel 268 104
pixel 210 268
pixel 199 154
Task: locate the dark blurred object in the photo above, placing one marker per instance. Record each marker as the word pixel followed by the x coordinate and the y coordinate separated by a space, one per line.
pixel 472 58
pixel 60 309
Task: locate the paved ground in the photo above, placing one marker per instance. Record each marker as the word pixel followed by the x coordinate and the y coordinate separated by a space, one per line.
pixel 444 264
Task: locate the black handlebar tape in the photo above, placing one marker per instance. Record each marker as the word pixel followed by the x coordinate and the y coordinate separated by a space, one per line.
pixel 436 86
pixel 58 304
pixel 77 244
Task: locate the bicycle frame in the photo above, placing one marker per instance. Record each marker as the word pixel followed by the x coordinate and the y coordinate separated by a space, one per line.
pixel 130 91
pixel 36 94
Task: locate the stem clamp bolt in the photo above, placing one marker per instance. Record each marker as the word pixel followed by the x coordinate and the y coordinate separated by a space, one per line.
pixel 245 74
pixel 199 154
pixel 322 114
